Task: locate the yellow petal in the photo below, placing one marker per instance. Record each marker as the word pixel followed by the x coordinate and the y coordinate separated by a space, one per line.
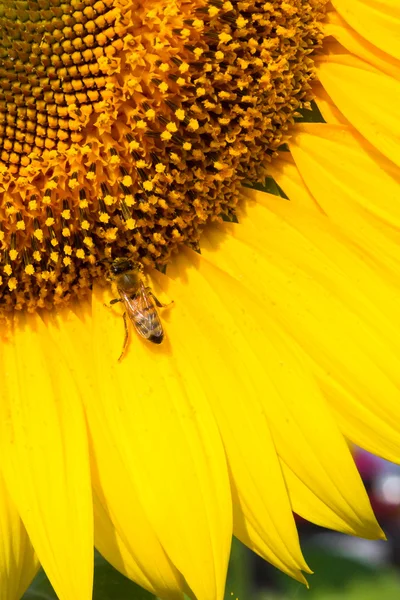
pixel 170 447
pixel 346 78
pixel 45 456
pixel 329 110
pixel 209 328
pixel 355 186
pixel 307 503
pixel 18 563
pixel 123 533
pixel 306 217
pixel 163 579
pixel 337 27
pixel 359 421
pixel 317 455
pixel 377 21
pixel 353 330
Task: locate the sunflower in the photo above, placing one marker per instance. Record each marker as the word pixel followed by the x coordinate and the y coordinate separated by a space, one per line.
pixel 243 158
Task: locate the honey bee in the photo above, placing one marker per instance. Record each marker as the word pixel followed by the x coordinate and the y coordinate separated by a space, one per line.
pixel 139 301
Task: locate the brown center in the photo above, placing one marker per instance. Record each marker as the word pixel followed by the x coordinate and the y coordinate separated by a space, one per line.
pixel 126 124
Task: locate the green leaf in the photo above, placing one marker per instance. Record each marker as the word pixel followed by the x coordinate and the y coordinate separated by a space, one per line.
pixel 310 116
pixel 270 186
pixel 238 582
pixel 230 217
pixel 109 584
pixel 40 589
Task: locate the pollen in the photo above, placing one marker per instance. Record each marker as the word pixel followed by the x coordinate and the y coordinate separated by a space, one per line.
pixel 12 283
pixel 125 126
pixel 130 223
pixel 193 124
pixel 29 269
pixel 213 11
pixel 166 136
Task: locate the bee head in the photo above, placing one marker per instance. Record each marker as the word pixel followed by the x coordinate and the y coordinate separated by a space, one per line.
pixel 121 265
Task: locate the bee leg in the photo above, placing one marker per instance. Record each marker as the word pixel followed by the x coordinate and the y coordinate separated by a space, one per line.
pixel 156 300
pixel 113 301
pixel 126 338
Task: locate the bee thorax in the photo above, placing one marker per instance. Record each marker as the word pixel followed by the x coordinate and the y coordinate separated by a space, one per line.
pixel 128 281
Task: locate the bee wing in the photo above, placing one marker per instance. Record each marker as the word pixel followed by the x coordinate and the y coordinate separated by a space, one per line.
pixel 143 314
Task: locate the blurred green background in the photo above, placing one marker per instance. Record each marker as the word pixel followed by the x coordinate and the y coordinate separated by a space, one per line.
pixel 337 576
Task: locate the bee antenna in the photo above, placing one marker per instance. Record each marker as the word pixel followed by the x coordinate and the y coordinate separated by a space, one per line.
pixel 103 260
